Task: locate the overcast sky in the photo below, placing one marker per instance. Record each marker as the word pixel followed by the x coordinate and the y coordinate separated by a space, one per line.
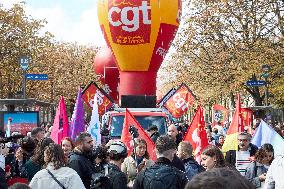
pixel 68 20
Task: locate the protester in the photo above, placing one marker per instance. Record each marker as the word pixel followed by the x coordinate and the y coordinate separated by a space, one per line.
pixel 219 178
pixel 153 132
pixel 173 133
pixel 215 135
pixel 274 177
pixel 242 157
pixel 37 133
pixel 256 171
pixel 135 163
pixel 185 154
pixel 211 139
pixel 67 146
pixel 221 141
pixel 162 174
pixel 212 157
pixel 3 152
pixel 117 153
pixel 56 175
pixel 36 162
pixel 82 160
pixel 219 127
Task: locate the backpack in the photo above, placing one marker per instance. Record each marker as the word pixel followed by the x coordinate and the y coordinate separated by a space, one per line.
pixel 162 177
pixel 192 168
pixel 101 180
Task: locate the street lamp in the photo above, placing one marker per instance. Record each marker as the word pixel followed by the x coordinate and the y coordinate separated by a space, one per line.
pixel 265 74
pixel 24 62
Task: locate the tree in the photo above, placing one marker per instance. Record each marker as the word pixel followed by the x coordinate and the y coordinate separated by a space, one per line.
pixel 68 65
pixel 224 43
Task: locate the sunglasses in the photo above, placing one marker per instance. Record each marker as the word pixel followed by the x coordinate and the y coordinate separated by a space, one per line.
pixel 242 140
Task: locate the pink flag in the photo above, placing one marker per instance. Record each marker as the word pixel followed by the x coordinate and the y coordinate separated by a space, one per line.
pixel 60 125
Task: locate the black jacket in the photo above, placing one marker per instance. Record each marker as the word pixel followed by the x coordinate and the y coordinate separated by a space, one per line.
pixel 3 183
pixel 118 179
pixel 178 163
pixel 231 154
pixel 83 165
pixel 161 175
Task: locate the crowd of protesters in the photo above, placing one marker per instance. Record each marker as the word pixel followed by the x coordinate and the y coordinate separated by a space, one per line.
pixel 36 162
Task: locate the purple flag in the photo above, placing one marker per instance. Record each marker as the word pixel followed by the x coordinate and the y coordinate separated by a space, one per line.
pixel 77 124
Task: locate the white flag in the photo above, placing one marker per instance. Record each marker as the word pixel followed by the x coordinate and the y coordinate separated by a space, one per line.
pixel 94 127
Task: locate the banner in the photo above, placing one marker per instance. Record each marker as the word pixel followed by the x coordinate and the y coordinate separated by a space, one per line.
pixel 94 128
pixel 196 134
pixel 60 125
pixel 77 124
pixel 220 114
pixel 104 101
pixel 180 102
pixel 126 137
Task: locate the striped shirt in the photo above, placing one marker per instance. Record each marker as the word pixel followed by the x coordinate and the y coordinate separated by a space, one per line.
pixel 242 161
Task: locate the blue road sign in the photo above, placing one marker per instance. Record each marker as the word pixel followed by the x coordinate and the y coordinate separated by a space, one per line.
pixel 255 83
pixel 24 62
pixel 37 76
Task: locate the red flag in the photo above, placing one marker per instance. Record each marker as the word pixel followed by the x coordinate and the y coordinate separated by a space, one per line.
pixel 196 133
pixel 247 116
pixel 104 101
pixel 126 137
pixel 220 113
pixel 237 124
pixel 180 102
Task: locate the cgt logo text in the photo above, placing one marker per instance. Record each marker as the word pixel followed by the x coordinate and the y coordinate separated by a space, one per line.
pixel 120 17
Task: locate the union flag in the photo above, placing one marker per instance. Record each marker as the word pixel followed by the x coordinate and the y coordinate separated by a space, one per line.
pixel 104 100
pixel 180 102
pixel 220 113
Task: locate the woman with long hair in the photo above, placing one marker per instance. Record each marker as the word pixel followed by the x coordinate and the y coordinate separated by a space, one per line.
pixel 36 162
pixel 135 163
pixel 212 157
pixel 67 146
pixel 256 171
pixel 56 175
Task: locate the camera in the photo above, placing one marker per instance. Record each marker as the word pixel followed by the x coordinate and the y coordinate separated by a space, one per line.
pixel 133 131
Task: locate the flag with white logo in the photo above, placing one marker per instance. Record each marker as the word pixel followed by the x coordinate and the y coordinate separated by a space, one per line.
pixel 94 127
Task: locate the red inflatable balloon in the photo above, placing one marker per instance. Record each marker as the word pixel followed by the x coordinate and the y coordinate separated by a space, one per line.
pixel 139 33
pixel 105 66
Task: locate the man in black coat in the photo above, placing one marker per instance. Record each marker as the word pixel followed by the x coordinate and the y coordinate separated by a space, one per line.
pixel 162 174
pixel 81 159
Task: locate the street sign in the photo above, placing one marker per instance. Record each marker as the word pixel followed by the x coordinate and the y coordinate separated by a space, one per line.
pixel 255 83
pixel 24 62
pixel 37 76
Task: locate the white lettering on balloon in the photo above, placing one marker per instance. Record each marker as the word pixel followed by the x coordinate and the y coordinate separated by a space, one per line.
pixel 129 25
pixel 161 51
